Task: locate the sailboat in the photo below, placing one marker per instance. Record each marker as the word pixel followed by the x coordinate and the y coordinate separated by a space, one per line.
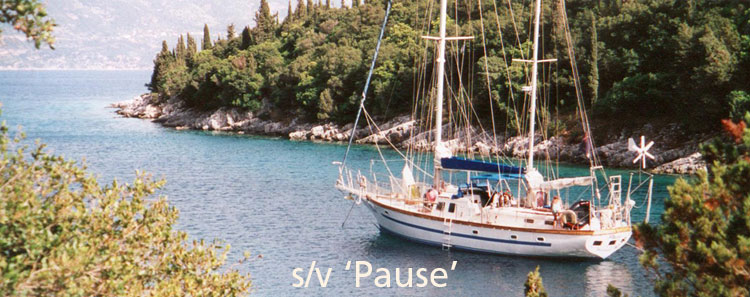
pixel 495 207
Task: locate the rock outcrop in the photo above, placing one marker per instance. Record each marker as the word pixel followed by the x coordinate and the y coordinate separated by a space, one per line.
pixel 680 158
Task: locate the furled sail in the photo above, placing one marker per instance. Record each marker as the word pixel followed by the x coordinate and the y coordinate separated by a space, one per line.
pixel 457 163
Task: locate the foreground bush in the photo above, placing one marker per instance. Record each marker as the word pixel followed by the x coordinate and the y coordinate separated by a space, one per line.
pixel 702 247
pixel 63 234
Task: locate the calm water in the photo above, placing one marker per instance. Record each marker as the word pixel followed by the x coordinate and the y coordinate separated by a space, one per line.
pixel 274 197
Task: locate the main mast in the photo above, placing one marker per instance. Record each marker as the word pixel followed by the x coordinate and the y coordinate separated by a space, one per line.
pixel 440 86
pixel 535 62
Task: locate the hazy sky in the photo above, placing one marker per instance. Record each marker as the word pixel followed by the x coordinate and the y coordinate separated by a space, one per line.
pixel 125 33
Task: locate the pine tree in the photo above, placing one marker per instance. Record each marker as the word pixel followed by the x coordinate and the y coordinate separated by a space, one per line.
pixel 247 38
pixel 206 38
pixel 325 105
pixel 161 63
pixel 230 32
pixel 290 13
pixel 265 22
pixel 192 48
pixel 533 286
pixel 301 11
pixel 180 50
pixel 703 238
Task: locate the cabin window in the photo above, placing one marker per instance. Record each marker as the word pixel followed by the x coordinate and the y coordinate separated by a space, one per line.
pixel 475 232
pixel 452 207
pixel 513 237
pixel 529 221
pixel 612 242
pixel 549 223
pixel 440 206
pixel 597 242
pixel 386 212
pixel 540 239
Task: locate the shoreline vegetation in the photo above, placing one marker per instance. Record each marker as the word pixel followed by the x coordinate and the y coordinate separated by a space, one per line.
pixel 680 159
pixel 302 77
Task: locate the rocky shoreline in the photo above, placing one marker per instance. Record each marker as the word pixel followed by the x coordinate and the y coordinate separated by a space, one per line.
pixel 681 158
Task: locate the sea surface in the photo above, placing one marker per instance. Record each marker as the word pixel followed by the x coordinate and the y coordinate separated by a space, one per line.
pixel 275 197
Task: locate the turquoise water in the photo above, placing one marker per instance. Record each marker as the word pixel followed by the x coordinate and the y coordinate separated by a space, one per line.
pixel 275 197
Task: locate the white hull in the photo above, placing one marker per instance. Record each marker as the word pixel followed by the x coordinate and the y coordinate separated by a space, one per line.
pixel 494 239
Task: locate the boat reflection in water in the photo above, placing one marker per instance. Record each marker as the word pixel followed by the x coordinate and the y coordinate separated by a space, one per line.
pixel 599 275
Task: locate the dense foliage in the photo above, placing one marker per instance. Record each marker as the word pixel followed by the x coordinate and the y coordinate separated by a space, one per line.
pixel 533 286
pixel 29 17
pixel 704 237
pixel 671 59
pixel 62 234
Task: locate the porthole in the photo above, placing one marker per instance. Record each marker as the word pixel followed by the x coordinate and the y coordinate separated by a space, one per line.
pixel 612 242
pixel 540 239
pixel 513 237
pixel 529 221
pixel 475 232
pixel 551 223
pixel 597 242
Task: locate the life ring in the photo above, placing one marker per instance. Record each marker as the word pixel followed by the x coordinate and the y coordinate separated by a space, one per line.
pixel 569 218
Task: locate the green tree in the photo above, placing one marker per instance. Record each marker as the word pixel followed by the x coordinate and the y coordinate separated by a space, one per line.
pixel 161 63
pixel 704 235
pixel 230 32
pixel 206 38
pixel 180 51
pixel 301 11
pixel 247 38
pixel 613 291
pixel 29 17
pixel 63 234
pixel 533 286
pixel 290 13
pixel 325 105
pixel 265 22
pixel 739 104
pixel 192 48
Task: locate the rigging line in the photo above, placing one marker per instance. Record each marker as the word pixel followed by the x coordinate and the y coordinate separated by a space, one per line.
pixel 507 68
pixel 371 123
pixel 487 73
pixel 367 83
pixel 581 104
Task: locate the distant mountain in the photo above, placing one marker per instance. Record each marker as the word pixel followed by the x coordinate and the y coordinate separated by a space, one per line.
pixel 123 34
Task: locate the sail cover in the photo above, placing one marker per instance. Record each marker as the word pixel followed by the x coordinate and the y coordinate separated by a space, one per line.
pixel 476 165
pixel 565 182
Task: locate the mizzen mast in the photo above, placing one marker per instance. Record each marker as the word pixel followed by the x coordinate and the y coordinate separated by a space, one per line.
pixel 534 78
pixel 534 73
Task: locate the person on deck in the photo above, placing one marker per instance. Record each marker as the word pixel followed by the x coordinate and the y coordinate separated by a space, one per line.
pixel 556 208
